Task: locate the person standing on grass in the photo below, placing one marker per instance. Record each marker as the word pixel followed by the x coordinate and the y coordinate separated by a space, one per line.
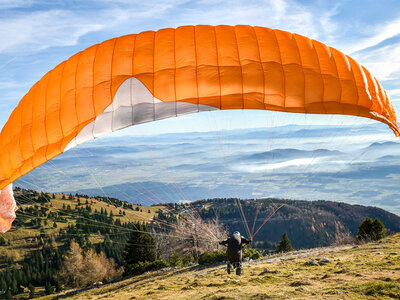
pixel 235 244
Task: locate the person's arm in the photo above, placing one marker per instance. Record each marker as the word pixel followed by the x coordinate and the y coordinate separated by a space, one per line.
pixel 224 242
pixel 246 241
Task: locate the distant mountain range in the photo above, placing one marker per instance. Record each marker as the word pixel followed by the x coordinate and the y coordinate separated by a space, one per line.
pixel 353 164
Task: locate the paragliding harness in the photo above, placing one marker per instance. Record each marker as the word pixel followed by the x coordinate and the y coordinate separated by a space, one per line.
pixel 235 245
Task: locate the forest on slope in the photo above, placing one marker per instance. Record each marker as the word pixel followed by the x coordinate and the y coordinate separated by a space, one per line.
pixel 309 224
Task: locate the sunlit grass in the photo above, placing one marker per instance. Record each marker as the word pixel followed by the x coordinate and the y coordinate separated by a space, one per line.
pixel 369 271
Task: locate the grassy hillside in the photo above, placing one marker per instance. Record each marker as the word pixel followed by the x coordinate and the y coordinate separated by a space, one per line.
pixel 54 215
pixel 369 271
pixel 33 251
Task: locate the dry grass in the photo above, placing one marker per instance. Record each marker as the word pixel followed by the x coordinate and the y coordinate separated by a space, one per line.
pixel 369 271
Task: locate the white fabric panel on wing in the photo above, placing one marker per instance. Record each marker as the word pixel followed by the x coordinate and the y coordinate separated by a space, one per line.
pixel 103 123
pixel 133 104
pixel 122 116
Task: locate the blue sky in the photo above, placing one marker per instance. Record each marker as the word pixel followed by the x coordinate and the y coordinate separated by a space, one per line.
pixel 37 35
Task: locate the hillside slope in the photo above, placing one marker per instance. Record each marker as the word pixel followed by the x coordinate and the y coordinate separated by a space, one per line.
pixel 369 271
pixel 43 217
pixel 308 223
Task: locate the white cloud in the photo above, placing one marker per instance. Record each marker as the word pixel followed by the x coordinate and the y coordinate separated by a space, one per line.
pixel 283 14
pixel 379 34
pixel 281 165
pixel 39 30
pixel 383 62
pixel 32 31
pixel 394 94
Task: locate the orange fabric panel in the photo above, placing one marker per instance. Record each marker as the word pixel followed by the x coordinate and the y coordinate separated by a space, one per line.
pixel 39 136
pixel 164 64
pixel 274 82
pixel 14 142
pixel 102 76
pixel 348 92
pixel 186 64
pixel 221 66
pixel 208 70
pixel 373 90
pixel 230 69
pixel 143 59
pixel 68 116
pixel 329 73
pixel 292 69
pixel 84 85
pixel 54 132
pixel 313 82
pixel 251 67
pixel 25 138
pixel 364 98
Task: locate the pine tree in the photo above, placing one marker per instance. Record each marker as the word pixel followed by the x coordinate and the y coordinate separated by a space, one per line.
pixel 141 246
pixel 284 244
pixel 14 286
pixel 365 229
pixel 371 230
pixel 379 230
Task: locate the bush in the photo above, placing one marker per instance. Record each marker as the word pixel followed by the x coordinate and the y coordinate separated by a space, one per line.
pixel 176 260
pixel 252 253
pixel 371 230
pixel 344 238
pixel 141 267
pixel 208 258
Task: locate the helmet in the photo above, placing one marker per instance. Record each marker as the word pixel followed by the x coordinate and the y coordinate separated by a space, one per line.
pixel 236 233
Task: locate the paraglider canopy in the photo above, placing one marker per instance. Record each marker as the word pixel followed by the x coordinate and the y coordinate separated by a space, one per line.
pixel 155 75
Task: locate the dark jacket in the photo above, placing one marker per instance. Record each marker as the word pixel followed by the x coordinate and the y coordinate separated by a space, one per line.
pixel 235 245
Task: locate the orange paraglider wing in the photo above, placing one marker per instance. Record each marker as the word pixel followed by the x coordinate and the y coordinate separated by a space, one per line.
pixel 153 75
